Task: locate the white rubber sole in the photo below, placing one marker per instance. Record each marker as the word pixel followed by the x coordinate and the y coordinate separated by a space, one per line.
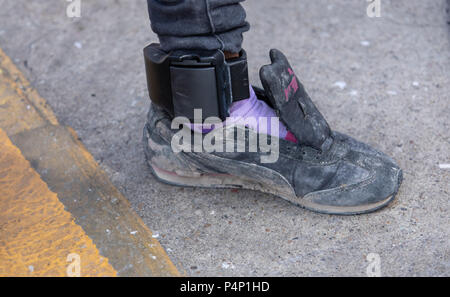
pixel 224 181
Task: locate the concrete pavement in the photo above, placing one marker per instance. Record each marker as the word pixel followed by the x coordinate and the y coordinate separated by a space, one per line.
pixel 383 80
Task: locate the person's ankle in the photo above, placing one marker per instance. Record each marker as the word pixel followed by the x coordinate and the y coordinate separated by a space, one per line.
pixel 230 55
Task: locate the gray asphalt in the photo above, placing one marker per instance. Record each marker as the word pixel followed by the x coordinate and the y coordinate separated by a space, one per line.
pixel 396 70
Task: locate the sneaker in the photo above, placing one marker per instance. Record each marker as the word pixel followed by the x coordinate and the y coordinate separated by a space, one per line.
pixel 323 171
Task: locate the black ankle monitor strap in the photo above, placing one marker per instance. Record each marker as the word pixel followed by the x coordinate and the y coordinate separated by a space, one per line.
pixel 181 81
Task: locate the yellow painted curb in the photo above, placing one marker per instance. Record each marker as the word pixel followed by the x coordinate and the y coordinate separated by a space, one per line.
pixel 72 174
pixel 37 236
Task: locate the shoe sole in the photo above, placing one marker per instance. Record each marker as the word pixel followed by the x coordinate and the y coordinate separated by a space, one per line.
pixel 226 181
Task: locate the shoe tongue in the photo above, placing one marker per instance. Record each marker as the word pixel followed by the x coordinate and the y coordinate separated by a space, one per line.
pixel 292 103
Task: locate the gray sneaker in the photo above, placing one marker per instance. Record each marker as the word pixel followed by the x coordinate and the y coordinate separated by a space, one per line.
pixel 326 171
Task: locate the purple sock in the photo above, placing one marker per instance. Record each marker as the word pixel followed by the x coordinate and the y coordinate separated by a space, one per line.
pixel 252 107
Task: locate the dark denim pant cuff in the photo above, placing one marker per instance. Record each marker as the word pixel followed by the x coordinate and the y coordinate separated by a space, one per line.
pixel 198 24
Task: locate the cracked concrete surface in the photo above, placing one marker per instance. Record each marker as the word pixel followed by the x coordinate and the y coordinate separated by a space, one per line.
pixel 383 80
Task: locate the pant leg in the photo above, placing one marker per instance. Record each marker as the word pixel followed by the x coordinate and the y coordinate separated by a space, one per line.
pixel 198 24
